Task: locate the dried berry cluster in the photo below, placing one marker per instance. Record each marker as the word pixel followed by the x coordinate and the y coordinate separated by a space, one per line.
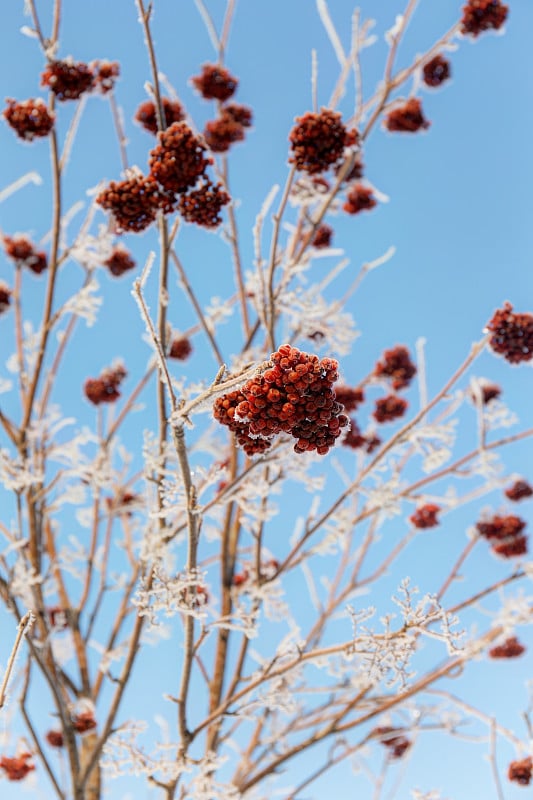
pixel 24 254
pixel 106 73
pixel 322 237
pixel 397 743
pixel 505 534
pixel 511 648
pixel 512 334
pixel 119 262
pixel 83 722
pixel 425 516
pixel 483 15
pixel 178 160
pixel 29 119
pixel 203 205
pixel 518 491
pixel 489 391
pixel 318 141
pixel 350 398
pixel 407 118
pixel 396 364
pixel 172 112
pixel 17 767
pixel 521 771
pixel 436 71
pixel 104 389
pixel 293 395
pixel 359 198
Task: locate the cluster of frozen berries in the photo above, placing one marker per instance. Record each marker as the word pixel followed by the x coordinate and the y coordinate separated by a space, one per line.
pixel 505 533
pixel 105 388
pixel 294 395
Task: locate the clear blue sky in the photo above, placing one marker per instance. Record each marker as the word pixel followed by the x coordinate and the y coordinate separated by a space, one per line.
pixel 459 214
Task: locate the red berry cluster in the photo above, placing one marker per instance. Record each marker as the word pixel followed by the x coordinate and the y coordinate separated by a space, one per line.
pixel 322 237
pixel 203 205
pixel 359 198
pixel 293 395
pixel 225 412
pixel 318 141
pixel 106 74
pixel 228 128
pixel 68 80
pixel 119 262
pixel 521 771
pixel 104 389
pixel 180 348
pixel 355 439
pixel 17 767
pixel 511 648
pixel 215 83
pixel 389 408
pixel 397 365
pixel 398 744
pixel 436 71
pixel 425 516
pixel 54 738
pixel 407 118
pixel 483 15
pixel 24 254
pixel 178 160
pixel 512 334
pixel 134 203
pixel 350 398
pixel 147 117
pixel 5 297
pixel 83 722
pixel 489 391
pixel 518 491
pixel 506 535
pixel 29 119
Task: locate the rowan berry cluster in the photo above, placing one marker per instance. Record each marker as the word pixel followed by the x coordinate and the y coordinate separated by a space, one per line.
pixel 24 254
pixel 29 119
pixel 350 398
pixel 322 237
pixel 356 440
pixel 483 15
pixel 511 648
pixel 505 534
pixel 512 334
pixel 119 262
pixel 215 83
pixel 83 722
pixel 294 395
pixel 318 141
pixel 425 516
pixel 521 771
pixel 5 297
pixel 407 118
pixel 68 79
pixel 518 491
pixel 106 74
pixel 146 114
pixel 203 205
pixel 359 198
pixel 180 348
pixel 17 767
pixel 104 389
pixel 178 160
pixel 389 408
pixel 397 743
pixel 134 203
pixel 436 71
pixel 489 391
pixel 54 738
pixel 396 364
pixel 228 128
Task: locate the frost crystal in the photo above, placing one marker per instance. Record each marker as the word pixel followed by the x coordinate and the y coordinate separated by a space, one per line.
pixel 85 303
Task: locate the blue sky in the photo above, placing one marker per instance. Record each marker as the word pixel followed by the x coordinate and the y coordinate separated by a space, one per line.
pixel 459 213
